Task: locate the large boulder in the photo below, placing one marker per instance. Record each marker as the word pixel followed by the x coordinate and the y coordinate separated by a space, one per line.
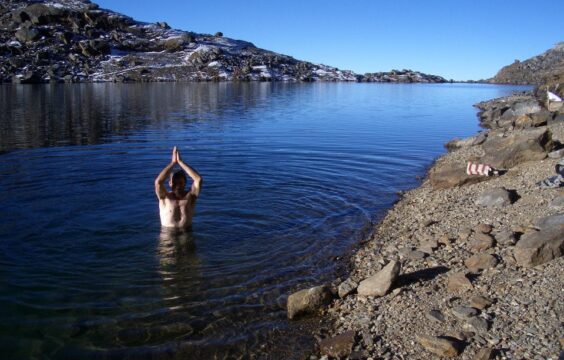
pixel 445 177
pixel 539 247
pixel 522 108
pixel 27 34
pixel 40 14
pixel 379 284
pixel 526 145
pixel 556 128
pixel 496 197
pixel 308 301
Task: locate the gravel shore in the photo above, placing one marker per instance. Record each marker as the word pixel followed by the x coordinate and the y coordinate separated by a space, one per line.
pixel 454 258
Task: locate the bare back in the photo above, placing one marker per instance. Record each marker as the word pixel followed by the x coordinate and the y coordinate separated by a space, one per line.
pixel 177 212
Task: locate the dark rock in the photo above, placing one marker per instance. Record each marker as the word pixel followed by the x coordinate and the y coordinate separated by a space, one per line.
pixel 338 346
pixel 308 301
pixel 27 35
pixel 40 14
pixel 435 315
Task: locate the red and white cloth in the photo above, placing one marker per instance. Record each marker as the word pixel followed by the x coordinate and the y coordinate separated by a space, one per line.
pixel 478 169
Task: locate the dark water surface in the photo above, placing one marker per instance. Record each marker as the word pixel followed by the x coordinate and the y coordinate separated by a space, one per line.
pixel 294 175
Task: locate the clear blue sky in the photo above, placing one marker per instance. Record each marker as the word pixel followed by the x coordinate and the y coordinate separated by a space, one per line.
pixel 457 39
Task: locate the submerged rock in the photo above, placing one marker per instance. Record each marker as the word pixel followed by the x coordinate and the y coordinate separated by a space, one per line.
pixel 308 301
pixel 338 346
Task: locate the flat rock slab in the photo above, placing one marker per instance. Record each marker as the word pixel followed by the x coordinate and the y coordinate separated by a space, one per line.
pixel 464 312
pixel 380 284
pixel 495 198
pixel 447 177
pixel 557 203
pixel 480 262
pixel 458 282
pixel 539 247
pixel 550 221
pixel 520 146
pixel 439 345
pixel 308 301
pixel 338 346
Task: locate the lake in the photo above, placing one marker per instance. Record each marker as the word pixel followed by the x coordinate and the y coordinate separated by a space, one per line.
pixel 295 175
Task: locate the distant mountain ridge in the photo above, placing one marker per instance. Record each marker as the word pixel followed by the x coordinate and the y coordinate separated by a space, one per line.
pixel 541 69
pixel 76 41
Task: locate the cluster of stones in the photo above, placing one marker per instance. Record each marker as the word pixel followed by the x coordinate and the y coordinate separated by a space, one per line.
pixel 76 41
pixel 464 266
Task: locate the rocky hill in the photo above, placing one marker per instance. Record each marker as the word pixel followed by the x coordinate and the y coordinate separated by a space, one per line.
pixel 542 69
pixel 76 41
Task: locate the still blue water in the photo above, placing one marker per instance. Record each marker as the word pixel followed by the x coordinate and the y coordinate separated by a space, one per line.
pixel 294 176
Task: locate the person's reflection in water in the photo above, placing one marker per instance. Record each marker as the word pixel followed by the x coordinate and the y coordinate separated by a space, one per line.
pixel 176 249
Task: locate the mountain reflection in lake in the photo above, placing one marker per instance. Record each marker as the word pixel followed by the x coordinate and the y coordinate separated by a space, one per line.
pixel 294 176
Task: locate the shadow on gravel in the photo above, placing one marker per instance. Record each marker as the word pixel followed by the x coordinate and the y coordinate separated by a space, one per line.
pixel 420 276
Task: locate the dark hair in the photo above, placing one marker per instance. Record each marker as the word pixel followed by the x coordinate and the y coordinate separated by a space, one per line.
pixel 178 175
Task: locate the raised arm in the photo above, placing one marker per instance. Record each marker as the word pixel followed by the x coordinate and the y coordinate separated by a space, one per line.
pixel 160 189
pixel 197 184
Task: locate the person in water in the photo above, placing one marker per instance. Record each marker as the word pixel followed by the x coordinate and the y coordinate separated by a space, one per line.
pixel 177 206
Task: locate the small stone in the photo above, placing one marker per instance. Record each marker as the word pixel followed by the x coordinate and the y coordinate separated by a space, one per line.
pixel 480 262
pixel 485 353
pixel 428 246
pixel 506 237
pixel 368 339
pixel 379 284
pixel 482 242
pixel 338 346
pixel 416 255
pixel 477 324
pixel 484 228
pixel 445 240
pixel 428 223
pixel 480 302
pixel 439 345
pixel 435 315
pixel 464 234
pixel 458 281
pixel 464 312
pixel 346 287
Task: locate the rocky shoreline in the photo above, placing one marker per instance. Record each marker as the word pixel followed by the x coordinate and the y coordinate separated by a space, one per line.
pixel 77 41
pixel 464 266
